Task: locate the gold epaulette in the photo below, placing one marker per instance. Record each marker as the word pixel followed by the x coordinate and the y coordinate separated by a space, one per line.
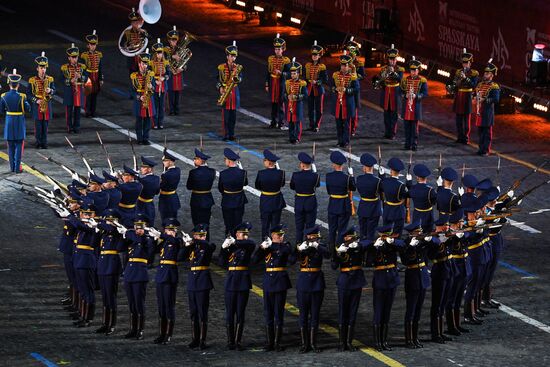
pixel 360 63
pixel 99 54
pixel 335 75
pixel 221 67
pixel 64 67
pixel 423 80
pixel 495 85
pixel 32 80
pixel 286 60
pixel 401 69
pixel 133 76
pixel 474 72
pixel 50 78
pixel 303 83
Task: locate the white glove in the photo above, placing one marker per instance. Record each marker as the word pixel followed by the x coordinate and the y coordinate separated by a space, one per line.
pixel 188 243
pixel 479 230
pixel 409 177
pixel 239 164
pixel 313 168
pixel 185 237
pixel 303 246
pixel 314 244
pixel 460 234
pixel 228 242
pixel 519 202
pixel 350 171
pixel 277 165
pixel 498 187
pixel 443 238
pixel 389 240
pixel 122 230
pixel 379 242
pixel 354 244
pixel 63 212
pixel 479 222
pixel 510 194
pixel 267 243
pixel 461 191
pixel 381 170
pixel 414 242
pixel 154 233
pixel 342 248
pixel 74 176
pixel 428 238
pixel 91 223
pixel 439 181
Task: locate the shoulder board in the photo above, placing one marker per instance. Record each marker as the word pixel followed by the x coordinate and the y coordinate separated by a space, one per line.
pixel 322 67
pixel 353 76
pixel 474 72
pixel 286 59
pixel 495 85
pixel 133 76
pixel 50 78
pixel 32 80
pixel 64 67
pixel 270 57
pixel 423 80
pixel 99 53
pixel 303 83
pixel 335 74
pixel 221 67
pixel 84 55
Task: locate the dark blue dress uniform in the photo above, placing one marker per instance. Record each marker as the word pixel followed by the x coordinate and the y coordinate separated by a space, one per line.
pixel 169 201
pixel 236 259
pixel 42 113
pixel 447 201
pixel 143 85
pixel 66 243
pixel 370 207
pixel 114 193
pixel 395 193
pixel 151 188
pixel 275 284
pixel 167 280
pixel 305 183
pixel 100 197
pixel 270 181
pixel 294 95
pixel 315 75
pixel 230 74
pixel 109 268
pixel 73 90
pixel 339 185
pixel 14 105
pixel 129 196
pixel 350 283
pixel 489 95
pixel 466 80
pixel 278 70
pixel 423 197
pixel 345 87
pixel 231 185
pixel 411 109
pixel 136 276
pixel 497 244
pixel 199 283
pixel 200 182
pixel 390 100
pixel 384 282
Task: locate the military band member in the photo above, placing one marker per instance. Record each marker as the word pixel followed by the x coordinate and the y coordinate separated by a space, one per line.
pixel 96 193
pixel 395 193
pixel 92 60
pixel 423 197
pixel 370 190
pixel 349 257
pixel 200 182
pixel 132 39
pixel 150 188
pixel 413 89
pixel 229 76
pixel 315 76
pixel 345 87
pixel 130 189
pixel 74 76
pixel 111 188
pixel 13 105
pixel 310 286
pixel 305 183
pixel 169 201
pixel 270 181
pixel 235 256
pixel 487 95
pixel 175 83
pixel 294 95
pixel 231 185
pixel 390 76
pixel 466 80
pixel 42 88
pixel 276 254
pixel 357 68
pixel 339 185
pixel 278 70
pixel 199 283
pixel 160 67
pixel 143 82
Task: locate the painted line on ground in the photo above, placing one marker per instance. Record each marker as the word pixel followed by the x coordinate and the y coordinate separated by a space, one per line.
pixel 524 318
pixel 43 360
pixel 6 10
pixel 518 270
pixel 523 226
pixel 540 211
pixel 65 37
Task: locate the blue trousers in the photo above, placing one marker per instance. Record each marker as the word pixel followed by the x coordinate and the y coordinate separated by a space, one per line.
pixel 348 304
pixel 315 110
pixel 199 302
pixel 337 225
pixel 91 101
pixel 274 308
pixel 235 306
pixel 232 217
pixel 367 227
pixel 143 126
pixel 304 219
pixel 440 293
pixel 148 209
pixel 41 133
pixel 159 108
pixel 229 122
pixel 135 292
pixel 425 218
pixel 343 131
pixel 397 225
pixel 72 117
pixel 86 286
pixel 382 301
pixel 277 112
pixel 411 133
pixel 309 304
pixel 415 301
pixel 166 300
pixel 109 289
pixel 457 292
pixel 463 128
pixel 69 268
pixel 294 131
pixel 174 101
pixel 390 123
pixel 201 215
pixel 474 285
pixel 15 150
pixel 269 219
pixel 485 134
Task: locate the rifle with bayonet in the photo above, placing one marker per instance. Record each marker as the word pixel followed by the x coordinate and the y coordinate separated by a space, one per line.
pixel 508 205
pixel 90 169
pixel 111 169
pixel 134 156
pixel 408 200
pixel 518 182
pixel 75 175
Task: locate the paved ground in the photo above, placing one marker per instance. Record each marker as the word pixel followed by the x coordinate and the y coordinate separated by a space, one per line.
pixel 31 275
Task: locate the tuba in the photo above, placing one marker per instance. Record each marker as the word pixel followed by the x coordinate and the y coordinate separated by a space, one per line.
pixel 150 11
pixel 184 53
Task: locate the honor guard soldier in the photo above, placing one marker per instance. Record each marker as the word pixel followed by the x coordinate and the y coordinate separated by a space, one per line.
pixel 150 188
pixel 278 70
pixel 143 82
pixel 487 96
pixel 110 186
pixel 270 181
pixel 175 83
pixel 417 280
pixel 130 190
pixel 235 256
pixel 389 79
pixel 305 182
pixel 169 201
pixel 467 191
pixel 13 105
pixel 75 76
pixel 43 89
pixel 136 276
pixel 160 67
pixel 92 60
pixel 198 251
pixel 109 268
pixel 339 186
pixel 358 68
pixel 395 193
pixel 447 201
pixel 277 255
pixel 167 279
pixel 200 182
pixel 315 75
pixel 133 38
pixel 229 77
pixel 349 257
pixel 310 286
pixel 231 185
pixel 294 95
pixel 423 197
pixel 465 80
pixel 96 193
pixel 370 207
pixel 345 87
pixel 414 88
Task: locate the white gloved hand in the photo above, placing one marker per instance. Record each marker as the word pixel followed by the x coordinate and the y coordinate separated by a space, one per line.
pixel 443 238
pixel 460 234
pixel 409 177
pixel 62 212
pixel 188 243
pixel 479 222
pixel 414 242
pixel 498 188
pixel 303 246
pixel 389 240
pixel 122 230
pixel 510 194
pixel 228 242
pixel 461 191
pixel 381 170
pixel 239 164
pixel 313 168
pixel 277 165
pixel 91 223
pixel 354 244
pixel 185 237
pixel 267 243
pixel 314 244
pixel 153 233
pixel 479 230
pixel 519 202
pixel 350 171
pixel 74 176
pixel 439 181
pixel 428 238
pixel 379 242
pixel 342 248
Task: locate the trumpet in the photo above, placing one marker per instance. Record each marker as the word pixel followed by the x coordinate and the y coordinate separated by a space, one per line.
pixel 233 80
pixel 386 73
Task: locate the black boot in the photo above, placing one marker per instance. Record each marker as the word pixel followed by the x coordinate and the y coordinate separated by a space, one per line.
pixel 163 324
pixel 230 336
pixel 469 317
pixel 68 300
pixel 436 333
pixel 195 332
pixel 343 336
pixel 89 312
pixel 377 339
pixel 351 334
pixel 313 340
pixel 441 334
pixel 133 326
pixel 409 335
pixel 239 336
pixel 204 330
pixel 304 348
pixel 451 326
pixel 169 331
pixel 278 336
pixel 270 338
pixel 82 319
pixel 140 326
pixel 111 322
pixel 106 316
pixel 456 315
pixel 384 336
pixel 415 339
